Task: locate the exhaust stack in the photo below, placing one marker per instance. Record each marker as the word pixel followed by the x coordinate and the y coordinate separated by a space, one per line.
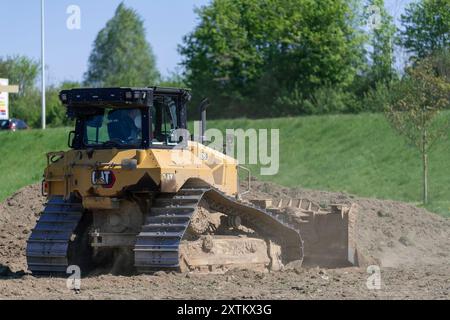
pixel 203 107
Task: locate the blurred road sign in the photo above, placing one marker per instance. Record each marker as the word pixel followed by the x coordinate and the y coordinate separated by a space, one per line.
pixel 5 89
pixel 9 89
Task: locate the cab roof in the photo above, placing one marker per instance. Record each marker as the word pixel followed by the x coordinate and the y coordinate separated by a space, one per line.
pixel 119 97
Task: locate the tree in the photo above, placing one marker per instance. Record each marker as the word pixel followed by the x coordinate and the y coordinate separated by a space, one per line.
pixel 27 104
pixel 20 70
pixel 174 79
pixel 56 112
pixel 382 42
pixel 245 49
pixel 417 101
pixel 223 55
pixel 23 71
pixel 121 55
pixel 426 27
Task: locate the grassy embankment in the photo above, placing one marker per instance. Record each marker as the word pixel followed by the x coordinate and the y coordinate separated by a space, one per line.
pixel 359 154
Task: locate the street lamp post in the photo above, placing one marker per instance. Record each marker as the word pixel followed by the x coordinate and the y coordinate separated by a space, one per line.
pixel 43 61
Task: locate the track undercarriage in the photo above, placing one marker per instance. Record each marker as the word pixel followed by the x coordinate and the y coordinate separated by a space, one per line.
pixel 198 229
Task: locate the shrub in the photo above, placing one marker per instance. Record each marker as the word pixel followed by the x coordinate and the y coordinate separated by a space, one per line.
pixel 321 101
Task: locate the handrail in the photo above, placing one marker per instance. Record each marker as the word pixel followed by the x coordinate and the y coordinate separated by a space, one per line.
pixel 249 178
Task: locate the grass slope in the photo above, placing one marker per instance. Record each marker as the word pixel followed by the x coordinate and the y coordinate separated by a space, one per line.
pixel 359 154
pixel 22 156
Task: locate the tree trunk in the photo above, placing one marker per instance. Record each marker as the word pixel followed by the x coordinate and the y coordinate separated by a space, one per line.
pixel 425 178
pixel 425 167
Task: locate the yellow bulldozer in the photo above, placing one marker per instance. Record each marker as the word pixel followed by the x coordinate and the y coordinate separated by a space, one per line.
pixel 135 191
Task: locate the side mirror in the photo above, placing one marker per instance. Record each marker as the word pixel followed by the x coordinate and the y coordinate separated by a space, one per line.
pixel 71 138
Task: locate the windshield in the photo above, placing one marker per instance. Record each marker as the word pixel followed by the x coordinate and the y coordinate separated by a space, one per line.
pixel 113 128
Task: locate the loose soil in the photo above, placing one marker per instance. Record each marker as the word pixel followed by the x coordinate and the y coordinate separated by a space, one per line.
pixel 410 244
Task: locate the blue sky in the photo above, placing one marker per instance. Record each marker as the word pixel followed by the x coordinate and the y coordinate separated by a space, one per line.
pixel 166 22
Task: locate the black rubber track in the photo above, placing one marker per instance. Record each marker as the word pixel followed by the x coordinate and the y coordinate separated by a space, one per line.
pixel 48 246
pixel 157 246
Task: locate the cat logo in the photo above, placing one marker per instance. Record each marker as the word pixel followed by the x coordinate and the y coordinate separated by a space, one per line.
pixel 106 179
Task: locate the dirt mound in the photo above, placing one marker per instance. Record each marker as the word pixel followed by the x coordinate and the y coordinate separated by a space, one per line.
pixel 18 215
pixel 389 233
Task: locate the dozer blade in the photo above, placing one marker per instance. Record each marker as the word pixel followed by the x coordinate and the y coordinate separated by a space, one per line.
pixel 328 233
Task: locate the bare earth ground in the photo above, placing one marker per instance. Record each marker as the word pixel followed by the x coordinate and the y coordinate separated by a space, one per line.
pixel 410 244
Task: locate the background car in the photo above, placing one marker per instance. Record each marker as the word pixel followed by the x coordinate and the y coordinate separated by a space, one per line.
pixel 13 125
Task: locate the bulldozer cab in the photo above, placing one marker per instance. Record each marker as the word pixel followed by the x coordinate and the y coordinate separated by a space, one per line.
pixel 126 118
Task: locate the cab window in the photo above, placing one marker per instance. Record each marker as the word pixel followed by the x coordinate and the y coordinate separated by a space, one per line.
pixel 166 119
pixel 113 127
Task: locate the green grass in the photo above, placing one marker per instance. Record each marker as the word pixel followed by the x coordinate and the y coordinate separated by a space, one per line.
pixel 22 156
pixel 358 154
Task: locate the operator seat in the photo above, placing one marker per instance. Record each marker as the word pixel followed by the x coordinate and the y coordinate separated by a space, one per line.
pixel 119 125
